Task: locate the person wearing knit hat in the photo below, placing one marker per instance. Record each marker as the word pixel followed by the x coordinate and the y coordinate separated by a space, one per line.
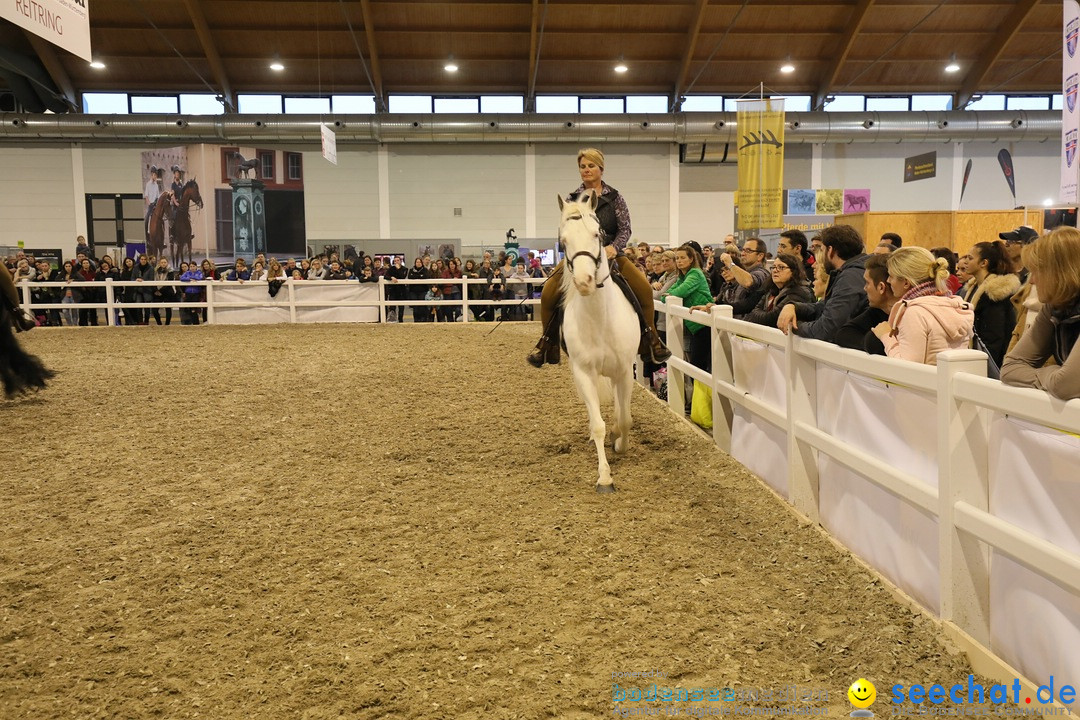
pixel 614 217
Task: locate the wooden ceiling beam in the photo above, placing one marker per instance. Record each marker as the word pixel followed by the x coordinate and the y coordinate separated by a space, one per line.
pixel 202 30
pixel 55 68
pixel 688 53
pixel 373 56
pixel 981 68
pixel 847 40
pixel 534 57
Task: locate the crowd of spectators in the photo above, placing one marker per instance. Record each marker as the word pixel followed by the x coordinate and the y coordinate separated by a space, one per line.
pixel 1016 296
pixel 506 279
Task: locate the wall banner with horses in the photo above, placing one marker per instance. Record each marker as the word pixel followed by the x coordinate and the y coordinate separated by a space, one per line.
pixel 245 206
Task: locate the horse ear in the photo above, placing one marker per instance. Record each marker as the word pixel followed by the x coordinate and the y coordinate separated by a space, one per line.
pixel 561 203
pixel 594 199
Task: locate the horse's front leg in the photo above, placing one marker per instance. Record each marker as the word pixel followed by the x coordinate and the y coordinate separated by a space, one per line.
pixel 623 386
pixel 590 394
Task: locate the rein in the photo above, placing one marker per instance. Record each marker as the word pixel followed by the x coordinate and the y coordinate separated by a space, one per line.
pixel 596 258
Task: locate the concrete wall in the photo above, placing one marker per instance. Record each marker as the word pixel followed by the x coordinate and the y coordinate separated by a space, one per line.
pixel 387 198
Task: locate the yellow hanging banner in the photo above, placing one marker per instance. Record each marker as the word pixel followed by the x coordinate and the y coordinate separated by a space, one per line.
pixel 761 164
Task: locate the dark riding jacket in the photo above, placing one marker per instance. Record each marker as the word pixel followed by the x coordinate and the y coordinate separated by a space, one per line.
pixel 613 214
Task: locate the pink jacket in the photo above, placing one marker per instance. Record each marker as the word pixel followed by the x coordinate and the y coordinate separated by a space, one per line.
pixel 925 326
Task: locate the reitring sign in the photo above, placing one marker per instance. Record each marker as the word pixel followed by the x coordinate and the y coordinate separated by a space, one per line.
pixel 65 23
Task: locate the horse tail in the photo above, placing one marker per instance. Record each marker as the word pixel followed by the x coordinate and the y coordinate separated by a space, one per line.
pixel 19 370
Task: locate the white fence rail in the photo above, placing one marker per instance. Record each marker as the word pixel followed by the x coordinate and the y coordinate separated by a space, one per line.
pixel 962 491
pixel 288 306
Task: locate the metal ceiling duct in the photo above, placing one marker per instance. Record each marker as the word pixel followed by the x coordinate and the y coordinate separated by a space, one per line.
pixel 710 129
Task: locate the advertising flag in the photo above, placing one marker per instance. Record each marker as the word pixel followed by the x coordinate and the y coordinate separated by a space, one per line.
pixel 761 163
pixel 1070 114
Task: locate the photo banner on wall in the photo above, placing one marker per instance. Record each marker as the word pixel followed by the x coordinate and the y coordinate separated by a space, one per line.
pixel 761 163
pixel 1070 114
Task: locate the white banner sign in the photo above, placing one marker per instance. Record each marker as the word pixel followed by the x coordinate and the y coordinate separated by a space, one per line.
pixel 329 144
pixel 65 23
pixel 1070 113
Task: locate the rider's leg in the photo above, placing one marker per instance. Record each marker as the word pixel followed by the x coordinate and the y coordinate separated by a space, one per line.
pixel 547 350
pixel 639 284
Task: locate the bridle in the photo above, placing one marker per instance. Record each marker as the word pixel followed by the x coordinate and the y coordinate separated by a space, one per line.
pixel 596 258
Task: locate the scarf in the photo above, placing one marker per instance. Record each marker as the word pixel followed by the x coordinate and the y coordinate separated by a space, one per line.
pixel 923 290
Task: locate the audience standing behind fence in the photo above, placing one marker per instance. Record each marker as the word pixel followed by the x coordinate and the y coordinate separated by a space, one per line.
pixel 902 301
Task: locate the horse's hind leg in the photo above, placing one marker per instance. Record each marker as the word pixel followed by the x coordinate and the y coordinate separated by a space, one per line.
pixel 586 385
pixel 624 385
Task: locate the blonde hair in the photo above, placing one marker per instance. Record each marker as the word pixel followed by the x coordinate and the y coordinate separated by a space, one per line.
pixel 631 252
pixel 1056 259
pixel 668 255
pixel 592 155
pixel 918 265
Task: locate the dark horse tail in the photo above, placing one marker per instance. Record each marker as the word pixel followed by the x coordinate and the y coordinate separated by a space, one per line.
pixel 19 370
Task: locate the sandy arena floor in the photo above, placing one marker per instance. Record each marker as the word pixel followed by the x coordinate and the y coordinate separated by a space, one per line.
pixel 395 522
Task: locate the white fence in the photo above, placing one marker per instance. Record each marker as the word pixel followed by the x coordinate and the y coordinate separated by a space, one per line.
pixel 963 492
pixel 298 301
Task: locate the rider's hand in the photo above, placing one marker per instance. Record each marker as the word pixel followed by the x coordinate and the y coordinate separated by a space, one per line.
pixel 610 250
pixel 787 320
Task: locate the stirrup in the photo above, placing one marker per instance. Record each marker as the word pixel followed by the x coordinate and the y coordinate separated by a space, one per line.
pixel 652 349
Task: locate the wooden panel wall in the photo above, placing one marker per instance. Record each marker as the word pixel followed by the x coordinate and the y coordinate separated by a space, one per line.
pixel 957 231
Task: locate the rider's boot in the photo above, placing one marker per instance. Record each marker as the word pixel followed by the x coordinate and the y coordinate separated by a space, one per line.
pixel 651 348
pixel 547 350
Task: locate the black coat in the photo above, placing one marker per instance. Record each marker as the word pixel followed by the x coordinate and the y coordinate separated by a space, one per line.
pixel 792 292
pixel 995 316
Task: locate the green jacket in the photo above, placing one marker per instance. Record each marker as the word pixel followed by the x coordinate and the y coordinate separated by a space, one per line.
pixel 693 288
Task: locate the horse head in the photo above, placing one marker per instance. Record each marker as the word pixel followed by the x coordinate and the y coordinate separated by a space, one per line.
pixel 191 193
pixel 579 235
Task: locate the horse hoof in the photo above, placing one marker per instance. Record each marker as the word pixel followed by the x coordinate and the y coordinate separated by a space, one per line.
pixel 605 489
pixel 620 445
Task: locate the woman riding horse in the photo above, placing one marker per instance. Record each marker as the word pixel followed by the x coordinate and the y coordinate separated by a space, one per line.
pixel 19 370
pixel 614 219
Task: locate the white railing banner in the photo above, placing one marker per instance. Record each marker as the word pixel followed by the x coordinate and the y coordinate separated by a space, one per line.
pixel 1034 484
pixel 755 442
pixel 898 426
pixel 976 519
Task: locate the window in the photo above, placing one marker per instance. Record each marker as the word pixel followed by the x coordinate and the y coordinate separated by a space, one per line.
pixel 703 103
pixel 259 104
pixel 1022 102
pixel 931 103
pixel 410 104
pixel 567 104
pixel 502 104
pixel 888 104
pixel 846 103
pixel 229 164
pixel 457 105
pixel 1055 102
pixel 201 105
pixel 294 165
pixel 646 104
pixel 603 105
pixel 165 104
pixel 266 166
pixel 307 106
pixel 223 220
pixel 354 104
pixel 797 103
pixel 987 102
pixel 105 103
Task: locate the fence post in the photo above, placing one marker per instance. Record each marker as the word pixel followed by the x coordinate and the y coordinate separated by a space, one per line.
pixel 465 298
pixel 675 378
pixel 25 285
pixel 110 300
pixel 801 407
pixel 722 369
pixel 382 298
pixel 209 302
pixel 292 300
pixel 962 451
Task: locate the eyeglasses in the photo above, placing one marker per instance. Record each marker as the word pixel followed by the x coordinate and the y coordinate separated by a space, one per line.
pixel 748 250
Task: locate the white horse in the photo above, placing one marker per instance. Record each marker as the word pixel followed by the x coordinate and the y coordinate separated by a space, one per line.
pixel 600 328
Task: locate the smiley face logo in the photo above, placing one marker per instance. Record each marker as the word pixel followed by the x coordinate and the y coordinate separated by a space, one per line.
pixel 862 695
